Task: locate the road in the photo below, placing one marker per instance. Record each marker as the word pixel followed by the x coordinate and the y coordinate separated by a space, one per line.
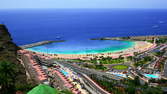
pixel 152 63
pixel 90 71
pixel 93 85
pixel 86 81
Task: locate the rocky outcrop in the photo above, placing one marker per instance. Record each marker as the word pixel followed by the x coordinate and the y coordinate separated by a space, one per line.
pixel 8 52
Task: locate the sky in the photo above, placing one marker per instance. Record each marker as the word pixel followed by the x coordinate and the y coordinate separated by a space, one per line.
pixel 156 4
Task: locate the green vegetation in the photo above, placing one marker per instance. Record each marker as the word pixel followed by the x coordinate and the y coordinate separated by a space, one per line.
pixel 78 60
pixel 108 60
pixel 126 86
pixel 98 63
pixel 24 87
pixel 130 58
pixel 161 82
pixel 12 73
pixel 109 86
pixel 161 40
pixel 100 67
pixel 7 77
pixel 159 53
pixel 65 92
pixel 134 87
pixel 120 67
pixel 142 61
pixel 93 66
pixel 151 41
pixel 102 60
pixel 8 81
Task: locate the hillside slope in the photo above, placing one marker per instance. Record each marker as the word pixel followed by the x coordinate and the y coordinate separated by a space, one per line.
pixel 8 52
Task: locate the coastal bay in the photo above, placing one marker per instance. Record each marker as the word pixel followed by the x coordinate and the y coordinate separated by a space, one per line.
pixel 81 52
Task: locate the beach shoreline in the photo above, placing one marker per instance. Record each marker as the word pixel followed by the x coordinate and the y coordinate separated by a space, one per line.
pixel 139 46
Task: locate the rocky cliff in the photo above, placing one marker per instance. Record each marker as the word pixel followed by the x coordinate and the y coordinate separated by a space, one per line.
pixel 8 52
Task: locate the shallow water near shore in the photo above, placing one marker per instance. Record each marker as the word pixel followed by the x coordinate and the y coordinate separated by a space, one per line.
pixel 82 47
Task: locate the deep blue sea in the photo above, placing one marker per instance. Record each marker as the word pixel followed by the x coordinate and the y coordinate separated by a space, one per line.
pixel 33 25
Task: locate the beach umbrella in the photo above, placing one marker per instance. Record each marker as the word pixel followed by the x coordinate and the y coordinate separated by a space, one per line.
pixel 43 89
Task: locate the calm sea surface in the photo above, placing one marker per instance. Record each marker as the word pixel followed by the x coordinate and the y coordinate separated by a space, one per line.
pixel 28 26
pixel 77 26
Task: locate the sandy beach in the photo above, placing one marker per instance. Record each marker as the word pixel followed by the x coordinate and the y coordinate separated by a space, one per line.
pixel 139 46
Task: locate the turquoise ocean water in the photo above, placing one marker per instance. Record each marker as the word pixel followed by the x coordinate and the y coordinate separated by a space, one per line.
pixel 90 47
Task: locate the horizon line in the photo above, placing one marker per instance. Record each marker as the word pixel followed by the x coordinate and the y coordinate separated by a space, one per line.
pixel 88 8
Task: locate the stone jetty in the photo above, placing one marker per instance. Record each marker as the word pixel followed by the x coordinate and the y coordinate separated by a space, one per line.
pixel 38 44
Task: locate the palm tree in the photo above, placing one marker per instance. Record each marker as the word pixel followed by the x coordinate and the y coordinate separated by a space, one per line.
pixel 7 77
